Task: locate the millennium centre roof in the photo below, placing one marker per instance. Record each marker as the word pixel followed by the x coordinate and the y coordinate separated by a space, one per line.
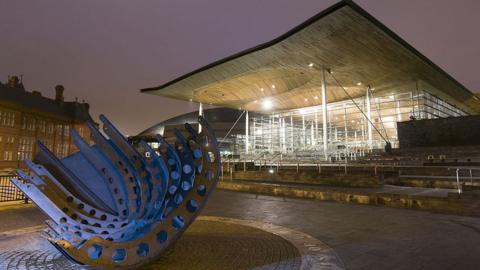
pixel 358 49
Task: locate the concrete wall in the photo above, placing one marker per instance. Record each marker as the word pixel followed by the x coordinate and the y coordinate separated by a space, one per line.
pixel 454 131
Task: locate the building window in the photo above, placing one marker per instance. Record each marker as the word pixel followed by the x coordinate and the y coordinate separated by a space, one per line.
pixel 31 124
pixel 25 148
pixel 66 130
pixel 50 128
pixel 8 155
pixel 41 126
pixel 62 150
pixel 59 129
pixel 24 123
pixel 7 119
pixel 10 139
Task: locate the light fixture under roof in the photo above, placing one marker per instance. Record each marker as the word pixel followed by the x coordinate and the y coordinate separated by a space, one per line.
pixel 273 86
pixel 261 89
pixel 359 83
pixel 306 99
pixel 191 100
pixel 267 104
pixel 311 64
pixel 255 101
pixel 315 97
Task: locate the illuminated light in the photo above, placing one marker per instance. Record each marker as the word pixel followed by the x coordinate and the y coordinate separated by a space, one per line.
pixel 267 104
pixel 191 100
pixel 359 83
pixel 315 97
pixel 256 101
pixel 273 86
pixel 261 89
pixel 346 88
pixel 310 65
pixel 210 103
pixel 306 99
pixel 271 171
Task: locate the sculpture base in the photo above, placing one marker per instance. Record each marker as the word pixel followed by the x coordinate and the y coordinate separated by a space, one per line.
pixel 210 243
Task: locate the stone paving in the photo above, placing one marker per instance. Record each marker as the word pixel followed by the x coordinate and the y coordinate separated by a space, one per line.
pixel 210 243
pixel 364 237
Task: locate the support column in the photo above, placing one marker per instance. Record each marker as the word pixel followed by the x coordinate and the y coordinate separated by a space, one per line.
pixel 397 109
pixel 271 133
pixel 304 132
pixel 369 120
pixel 246 133
pixel 324 115
pixel 292 137
pixel 284 135
pixel 316 126
pixel 345 123
pixel 200 113
pixel 312 135
pixel 254 144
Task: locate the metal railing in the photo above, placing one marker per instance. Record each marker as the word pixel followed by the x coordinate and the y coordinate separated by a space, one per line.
pixel 447 172
pixel 8 192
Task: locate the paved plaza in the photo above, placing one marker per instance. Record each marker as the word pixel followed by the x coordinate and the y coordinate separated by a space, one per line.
pixel 363 237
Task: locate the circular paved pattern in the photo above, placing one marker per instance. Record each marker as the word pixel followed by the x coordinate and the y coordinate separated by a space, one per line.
pixel 210 243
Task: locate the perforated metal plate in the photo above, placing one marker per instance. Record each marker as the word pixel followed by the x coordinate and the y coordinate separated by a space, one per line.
pixel 114 204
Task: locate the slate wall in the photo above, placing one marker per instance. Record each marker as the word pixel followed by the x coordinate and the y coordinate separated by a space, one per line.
pixel 453 131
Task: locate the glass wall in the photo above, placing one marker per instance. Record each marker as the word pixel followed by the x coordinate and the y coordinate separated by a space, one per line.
pixel 353 127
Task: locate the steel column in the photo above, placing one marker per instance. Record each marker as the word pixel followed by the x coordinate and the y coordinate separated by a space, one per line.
pixel 324 115
pixel 246 133
pixel 369 122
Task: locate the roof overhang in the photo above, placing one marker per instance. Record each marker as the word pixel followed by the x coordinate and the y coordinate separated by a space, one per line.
pixel 344 38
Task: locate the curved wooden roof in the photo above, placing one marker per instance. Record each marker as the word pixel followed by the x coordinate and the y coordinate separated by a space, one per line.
pixel 344 38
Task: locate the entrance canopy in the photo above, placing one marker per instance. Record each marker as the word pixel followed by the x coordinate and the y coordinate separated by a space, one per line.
pixel 286 73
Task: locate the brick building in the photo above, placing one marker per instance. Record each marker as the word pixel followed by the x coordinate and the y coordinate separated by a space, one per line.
pixel 28 116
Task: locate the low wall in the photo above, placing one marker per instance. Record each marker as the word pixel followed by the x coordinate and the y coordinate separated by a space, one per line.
pixel 307 177
pixel 450 205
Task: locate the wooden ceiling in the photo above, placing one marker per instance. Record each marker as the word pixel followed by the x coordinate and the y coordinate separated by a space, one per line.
pixel 287 71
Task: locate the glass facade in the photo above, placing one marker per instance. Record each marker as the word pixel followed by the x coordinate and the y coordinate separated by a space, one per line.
pixel 353 127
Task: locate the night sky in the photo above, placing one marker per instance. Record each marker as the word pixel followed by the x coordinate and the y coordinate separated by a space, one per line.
pixel 105 51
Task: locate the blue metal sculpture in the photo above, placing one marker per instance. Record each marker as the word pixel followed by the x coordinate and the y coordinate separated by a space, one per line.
pixel 113 204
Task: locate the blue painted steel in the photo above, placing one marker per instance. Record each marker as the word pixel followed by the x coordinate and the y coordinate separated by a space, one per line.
pixel 115 204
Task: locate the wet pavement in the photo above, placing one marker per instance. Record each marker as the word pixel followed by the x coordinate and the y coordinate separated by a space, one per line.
pixel 364 237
